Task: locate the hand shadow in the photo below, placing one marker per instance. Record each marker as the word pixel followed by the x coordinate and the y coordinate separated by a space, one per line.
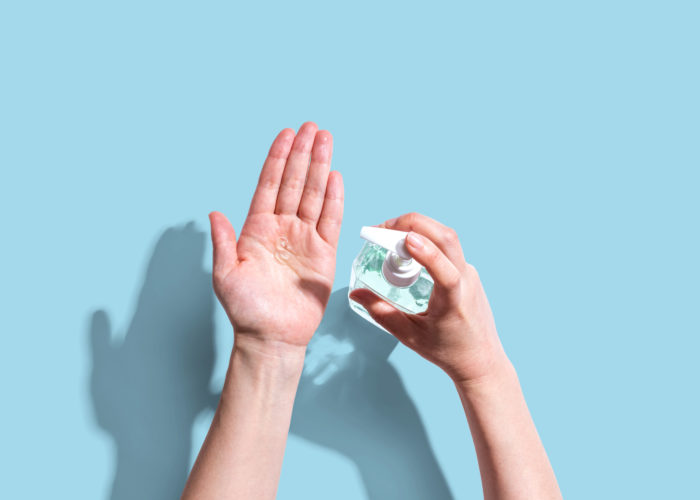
pixel 350 399
pixel 147 389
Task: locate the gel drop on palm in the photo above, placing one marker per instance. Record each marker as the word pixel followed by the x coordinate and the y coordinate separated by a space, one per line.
pixel 385 267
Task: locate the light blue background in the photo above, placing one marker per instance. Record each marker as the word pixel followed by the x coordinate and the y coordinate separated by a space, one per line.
pixel 559 139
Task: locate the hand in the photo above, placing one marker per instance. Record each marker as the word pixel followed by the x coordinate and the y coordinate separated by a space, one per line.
pixel 457 331
pixel 274 282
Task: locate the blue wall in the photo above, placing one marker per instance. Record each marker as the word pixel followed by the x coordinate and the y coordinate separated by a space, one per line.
pixel 560 139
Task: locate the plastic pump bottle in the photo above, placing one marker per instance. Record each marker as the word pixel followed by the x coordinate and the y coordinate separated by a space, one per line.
pixel 385 267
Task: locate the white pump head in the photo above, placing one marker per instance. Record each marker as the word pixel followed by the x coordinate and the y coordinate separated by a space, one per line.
pixel 399 268
pixel 392 240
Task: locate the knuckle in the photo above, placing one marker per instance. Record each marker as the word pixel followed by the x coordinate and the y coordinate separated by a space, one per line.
pixel 268 183
pixel 461 315
pixel 278 151
pixel 314 192
pixel 449 279
pixel 409 217
pixel 217 278
pixel 329 219
pixel 450 236
pixel 293 183
pixel 335 196
pixel 453 279
pixel 471 272
pixel 377 314
pixel 431 252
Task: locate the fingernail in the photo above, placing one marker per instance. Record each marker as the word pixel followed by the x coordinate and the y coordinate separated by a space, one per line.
pixel 391 222
pixel 414 240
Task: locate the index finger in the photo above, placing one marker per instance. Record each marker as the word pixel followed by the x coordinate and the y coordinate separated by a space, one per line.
pixel 438 265
pixel 445 238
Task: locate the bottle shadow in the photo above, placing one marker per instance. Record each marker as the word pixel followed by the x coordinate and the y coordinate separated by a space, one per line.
pixel 352 400
pixel 148 389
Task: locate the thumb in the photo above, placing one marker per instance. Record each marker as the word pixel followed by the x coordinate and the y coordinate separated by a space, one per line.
pixel 397 322
pixel 223 238
pixel 100 336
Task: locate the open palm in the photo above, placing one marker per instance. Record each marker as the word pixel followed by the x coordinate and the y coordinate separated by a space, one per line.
pixel 274 283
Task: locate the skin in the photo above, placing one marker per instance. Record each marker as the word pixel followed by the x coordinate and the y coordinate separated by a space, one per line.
pixel 458 333
pixel 275 296
pixel 274 283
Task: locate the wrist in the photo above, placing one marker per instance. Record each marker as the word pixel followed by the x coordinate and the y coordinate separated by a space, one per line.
pixel 268 355
pixel 260 386
pixel 501 374
pixel 266 375
pixel 488 366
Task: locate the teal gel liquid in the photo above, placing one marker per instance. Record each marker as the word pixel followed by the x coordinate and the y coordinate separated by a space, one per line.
pixel 367 273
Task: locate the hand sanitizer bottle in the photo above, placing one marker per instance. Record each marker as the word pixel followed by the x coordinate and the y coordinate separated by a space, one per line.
pixel 385 267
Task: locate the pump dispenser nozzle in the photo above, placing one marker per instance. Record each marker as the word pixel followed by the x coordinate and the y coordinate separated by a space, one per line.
pixel 399 268
pixel 392 240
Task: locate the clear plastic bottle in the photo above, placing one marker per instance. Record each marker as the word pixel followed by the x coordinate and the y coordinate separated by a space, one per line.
pixel 385 267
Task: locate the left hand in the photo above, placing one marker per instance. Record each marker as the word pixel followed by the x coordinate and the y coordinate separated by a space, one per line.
pixel 274 283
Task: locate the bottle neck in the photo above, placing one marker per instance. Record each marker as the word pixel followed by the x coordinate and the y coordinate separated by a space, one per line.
pixel 400 272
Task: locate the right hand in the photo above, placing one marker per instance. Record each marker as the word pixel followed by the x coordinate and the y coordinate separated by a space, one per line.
pixel 457 331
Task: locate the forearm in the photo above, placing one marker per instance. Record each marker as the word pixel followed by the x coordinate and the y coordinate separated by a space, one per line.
pixel 242 454
pixel 512 460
